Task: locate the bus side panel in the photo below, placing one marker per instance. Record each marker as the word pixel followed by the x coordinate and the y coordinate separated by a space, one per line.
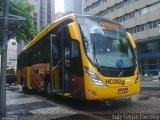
pixel 77 78
pixel 38 76
pixel 78 90
pixel 56 77
pixel 24 76
pixel 19 76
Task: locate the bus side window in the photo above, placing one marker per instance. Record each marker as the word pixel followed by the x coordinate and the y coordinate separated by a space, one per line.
pixel 76 60
pixel 54 49
pixel 67 41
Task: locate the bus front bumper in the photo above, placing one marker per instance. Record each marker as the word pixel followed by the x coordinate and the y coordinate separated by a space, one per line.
pixel 100 93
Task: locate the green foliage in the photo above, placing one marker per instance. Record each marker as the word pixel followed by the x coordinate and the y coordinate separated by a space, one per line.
pixel 0 51
pixel 0 8
pixel 23 8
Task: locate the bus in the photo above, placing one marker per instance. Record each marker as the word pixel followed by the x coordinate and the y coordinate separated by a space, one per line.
pixel 83 57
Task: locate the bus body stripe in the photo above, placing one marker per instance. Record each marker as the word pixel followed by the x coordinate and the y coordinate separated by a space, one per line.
pixel 29 77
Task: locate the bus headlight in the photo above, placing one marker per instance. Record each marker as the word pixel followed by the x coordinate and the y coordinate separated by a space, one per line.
pixel 96 80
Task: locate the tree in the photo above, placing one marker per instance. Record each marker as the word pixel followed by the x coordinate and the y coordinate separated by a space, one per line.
pixel 1 6
pixel 23 8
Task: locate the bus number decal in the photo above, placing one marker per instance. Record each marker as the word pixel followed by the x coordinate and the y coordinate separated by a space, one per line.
pixel 115 81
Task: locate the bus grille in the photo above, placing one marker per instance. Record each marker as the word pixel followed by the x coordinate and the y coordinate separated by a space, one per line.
pixel 110 72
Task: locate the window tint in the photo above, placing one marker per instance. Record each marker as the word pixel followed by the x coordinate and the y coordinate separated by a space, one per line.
pixel 40 52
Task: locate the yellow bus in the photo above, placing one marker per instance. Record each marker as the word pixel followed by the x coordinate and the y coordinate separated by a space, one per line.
pixel 81 56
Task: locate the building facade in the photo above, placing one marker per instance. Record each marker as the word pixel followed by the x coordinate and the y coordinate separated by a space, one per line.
pixel 142 19
pixel 12 53
pixel 72 6
pixel 44 12
pixel 58 15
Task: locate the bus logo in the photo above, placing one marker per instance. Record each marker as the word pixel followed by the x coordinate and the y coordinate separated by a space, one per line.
pixel 120 63
pixel 121 74
pixel 115 81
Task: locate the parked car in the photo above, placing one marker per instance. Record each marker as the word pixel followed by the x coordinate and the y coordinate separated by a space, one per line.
pixel 11 76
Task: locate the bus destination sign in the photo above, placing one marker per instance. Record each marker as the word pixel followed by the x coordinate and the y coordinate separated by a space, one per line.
pixel 109 25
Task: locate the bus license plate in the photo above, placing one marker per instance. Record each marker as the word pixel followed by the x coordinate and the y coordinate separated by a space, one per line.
pixel 122 90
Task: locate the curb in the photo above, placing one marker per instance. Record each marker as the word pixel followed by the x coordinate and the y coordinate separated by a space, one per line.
pixel 151 88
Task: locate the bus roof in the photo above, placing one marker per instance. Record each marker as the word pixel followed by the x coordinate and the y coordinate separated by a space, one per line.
pixel 46 30
pixel 49 27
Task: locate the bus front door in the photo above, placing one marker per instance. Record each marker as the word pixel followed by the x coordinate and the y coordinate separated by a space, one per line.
pixel 60 61
pixel 55 65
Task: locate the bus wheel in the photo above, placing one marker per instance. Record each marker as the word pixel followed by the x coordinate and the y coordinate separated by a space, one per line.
pixel 48 89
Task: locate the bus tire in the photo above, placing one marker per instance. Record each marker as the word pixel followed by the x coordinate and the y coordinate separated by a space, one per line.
pixel 47 84
pixel 48 89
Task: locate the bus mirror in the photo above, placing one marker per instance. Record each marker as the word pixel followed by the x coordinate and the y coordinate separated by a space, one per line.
pixel 73 30
pixel 131 40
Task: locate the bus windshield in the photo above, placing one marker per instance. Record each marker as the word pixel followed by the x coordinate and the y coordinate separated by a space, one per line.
pixel 106 43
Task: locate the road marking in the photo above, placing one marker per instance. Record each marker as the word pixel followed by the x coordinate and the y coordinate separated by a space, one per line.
pixel 53 110
pixel 22 101
pixel 10 93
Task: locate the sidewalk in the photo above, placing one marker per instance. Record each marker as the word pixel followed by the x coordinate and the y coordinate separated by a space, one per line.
pixel 152 82
pixel 28 107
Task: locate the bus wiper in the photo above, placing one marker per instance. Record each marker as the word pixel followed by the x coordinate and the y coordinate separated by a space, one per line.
pixel 94 54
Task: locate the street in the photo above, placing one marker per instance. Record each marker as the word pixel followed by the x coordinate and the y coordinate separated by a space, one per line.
pixel 37 106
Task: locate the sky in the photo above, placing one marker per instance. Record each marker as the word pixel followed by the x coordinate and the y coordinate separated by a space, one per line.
pixel 59 6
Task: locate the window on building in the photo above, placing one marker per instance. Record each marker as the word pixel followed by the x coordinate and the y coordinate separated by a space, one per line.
pixel 120 19
pixel 131 30
pixel 146 26
pixel 158 23
pixel 112 9
pixel 134 29
pixel 142 27
pixel 126 17
pixel 104 0
pixel 150 25
pixel 138 28
pixel 155 24
pixel 123 18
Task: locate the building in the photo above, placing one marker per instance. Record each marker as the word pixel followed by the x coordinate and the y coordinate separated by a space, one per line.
pixel 58 15
pixel 141 19
pixel 44 12
pixel 34 14
pixel 20 45
pixel 72 6
pixel 12 53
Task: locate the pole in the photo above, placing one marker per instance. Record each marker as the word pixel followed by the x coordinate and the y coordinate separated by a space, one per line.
pixel 51 63
pixel 4 60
